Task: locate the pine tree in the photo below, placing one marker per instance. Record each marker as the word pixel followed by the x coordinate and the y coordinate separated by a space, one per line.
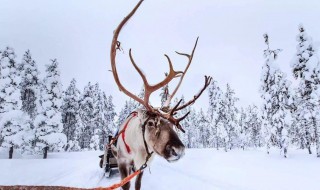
pixel 192 129
pixel 275 94
pixel 15 129
pixel 29 84
pixel 71 121
pixel 306 69
pixel 9 87
pixel 243 129
pixel 164 93
pixel 14 124
pixel 109 116
pixel 128 108
pixel 100 119
pixel 229 119
pixel 204 130
pixel 95 140
pixel 87 116
pixel 48 124
pixel 214 116
pixel 253 127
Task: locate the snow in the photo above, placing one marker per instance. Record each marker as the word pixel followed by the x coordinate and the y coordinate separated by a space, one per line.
pixel 199 169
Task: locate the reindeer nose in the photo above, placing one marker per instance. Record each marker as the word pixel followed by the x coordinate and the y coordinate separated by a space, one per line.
pixel 176 152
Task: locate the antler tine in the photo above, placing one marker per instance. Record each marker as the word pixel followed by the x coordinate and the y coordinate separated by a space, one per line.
pixel 190 57
pixel 149 89
pixel 176 122
pixel 138 69
pixel 172 111
pixel 169 115
pixel 208 80
pixel 171 75
pixel 113 53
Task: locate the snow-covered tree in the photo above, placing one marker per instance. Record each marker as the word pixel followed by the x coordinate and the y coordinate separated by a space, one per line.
pixel 204 131
pixel 15 129
pixel 164 93
pixel 72 125
pixel 87 115
pixel 253 127
pixel 95 140
pixel 10 80
pixel 48 124
pixel 13 122
pixel 100 121
pixel 29 84
pixel 214 115
pixel 128 108
pixel 243 131
pixel 229 118
pixel 109 116
pixel 306 69
pixel 275 94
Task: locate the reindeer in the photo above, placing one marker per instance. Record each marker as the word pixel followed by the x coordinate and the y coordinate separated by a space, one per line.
pixel 150 130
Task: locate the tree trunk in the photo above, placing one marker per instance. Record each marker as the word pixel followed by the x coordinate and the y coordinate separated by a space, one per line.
pixel 309 148
pixel 10 152
pixel 45 152
pixel 268 147
pixel 285 150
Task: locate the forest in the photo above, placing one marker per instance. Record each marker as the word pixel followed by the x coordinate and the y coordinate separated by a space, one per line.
pixel 39 115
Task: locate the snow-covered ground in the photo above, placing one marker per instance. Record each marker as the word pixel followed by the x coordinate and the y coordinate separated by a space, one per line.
pixel 199 169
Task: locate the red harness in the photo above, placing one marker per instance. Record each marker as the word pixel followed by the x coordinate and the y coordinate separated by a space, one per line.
pixel 134 114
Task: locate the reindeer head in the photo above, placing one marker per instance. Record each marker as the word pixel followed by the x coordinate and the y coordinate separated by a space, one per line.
pixel 159 122
pixel 160 136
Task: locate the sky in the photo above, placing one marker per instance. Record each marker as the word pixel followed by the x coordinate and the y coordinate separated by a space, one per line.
pixel 78 33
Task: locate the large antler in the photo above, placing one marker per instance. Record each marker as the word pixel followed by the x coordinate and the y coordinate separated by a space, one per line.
pixel 190 57
pixel 149 89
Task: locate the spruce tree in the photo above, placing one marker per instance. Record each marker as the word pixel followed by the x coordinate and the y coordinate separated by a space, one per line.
pixel 29 84
pixel 214 116
pixel 243 129
pixel 109 116
pixel 164 93
pixel 128 108
pixel 253 127
pixel 275 94
pixel 87 115
pixel 10 80
pixel 229 119
pixel 48 124
pixel 71 121
pixel 14 124
pixel 204 131
pixel 306 70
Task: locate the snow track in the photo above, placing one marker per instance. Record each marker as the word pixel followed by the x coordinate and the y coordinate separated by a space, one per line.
pixel 199 169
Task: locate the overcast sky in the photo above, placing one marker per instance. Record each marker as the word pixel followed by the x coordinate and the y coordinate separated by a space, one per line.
pixel 78 33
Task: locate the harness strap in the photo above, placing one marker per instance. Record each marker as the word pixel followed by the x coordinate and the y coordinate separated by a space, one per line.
pixel 123 135
pixel 144 140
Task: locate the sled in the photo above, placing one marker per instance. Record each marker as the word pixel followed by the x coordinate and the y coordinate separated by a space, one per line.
pixel 108 161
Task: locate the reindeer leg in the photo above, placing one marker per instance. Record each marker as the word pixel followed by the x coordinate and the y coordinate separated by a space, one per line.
pixel 124 172
pixel 138 181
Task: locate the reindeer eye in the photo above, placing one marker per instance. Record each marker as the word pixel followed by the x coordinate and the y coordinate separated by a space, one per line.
pixel 150 123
